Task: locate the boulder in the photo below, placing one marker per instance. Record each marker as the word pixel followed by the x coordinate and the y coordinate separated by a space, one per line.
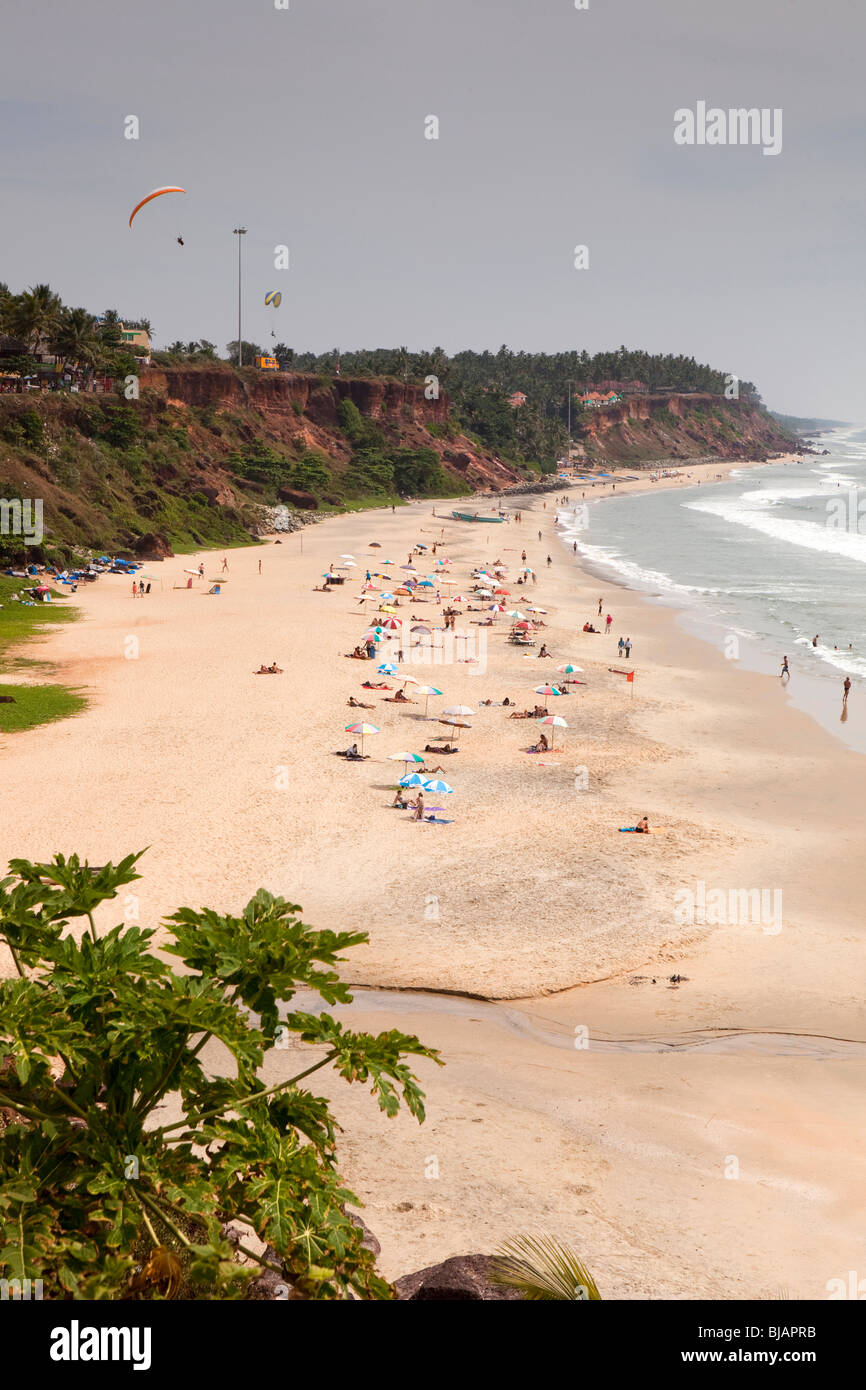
pixel 153 547
pixel 292 498
pixel 460 1278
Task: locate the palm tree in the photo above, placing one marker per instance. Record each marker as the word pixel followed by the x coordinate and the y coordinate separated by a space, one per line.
pixel 76 340
pixel 544 1271
pixel 35 314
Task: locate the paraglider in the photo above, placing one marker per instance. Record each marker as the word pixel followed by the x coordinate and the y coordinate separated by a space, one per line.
pixel 157 193
pixel 274 299
pixel 180 241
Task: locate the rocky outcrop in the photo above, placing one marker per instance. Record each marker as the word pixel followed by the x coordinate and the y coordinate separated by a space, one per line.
pixel 465 1277
pixel 153 547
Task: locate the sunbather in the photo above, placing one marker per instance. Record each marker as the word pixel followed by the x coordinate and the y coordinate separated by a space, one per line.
pixel 358 704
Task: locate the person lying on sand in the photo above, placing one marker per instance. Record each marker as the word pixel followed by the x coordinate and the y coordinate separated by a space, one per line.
pixel 357 704
pixel 375 685
pixel 425 768
pixel 320 588
pixel 274 670
pixel 440 748
pixel 357 655
pixel 398 699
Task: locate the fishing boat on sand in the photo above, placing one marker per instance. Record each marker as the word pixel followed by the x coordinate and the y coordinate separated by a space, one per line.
pixel 474 516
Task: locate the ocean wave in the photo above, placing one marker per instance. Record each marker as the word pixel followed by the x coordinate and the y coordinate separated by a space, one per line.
pixel 806 534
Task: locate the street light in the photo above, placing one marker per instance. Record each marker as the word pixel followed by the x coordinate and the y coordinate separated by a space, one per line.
pixel 239 232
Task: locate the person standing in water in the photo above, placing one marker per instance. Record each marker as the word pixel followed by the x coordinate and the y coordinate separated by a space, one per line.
pixel 815 640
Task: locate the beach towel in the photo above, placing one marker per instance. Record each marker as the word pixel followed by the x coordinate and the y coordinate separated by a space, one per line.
pixel 632 830
pixel 436 820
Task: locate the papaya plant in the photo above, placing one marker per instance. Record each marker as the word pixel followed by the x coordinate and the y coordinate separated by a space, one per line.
pixel 128 1167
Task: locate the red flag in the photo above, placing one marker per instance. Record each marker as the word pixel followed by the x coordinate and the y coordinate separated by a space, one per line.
pixel 630 676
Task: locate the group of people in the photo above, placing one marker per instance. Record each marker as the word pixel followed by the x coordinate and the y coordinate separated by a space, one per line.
pixel 139 590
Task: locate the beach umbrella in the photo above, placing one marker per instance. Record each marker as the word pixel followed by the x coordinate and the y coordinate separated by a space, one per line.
pixel 387 668
pixel 505 592
pixel 405 758
pixel 568 669
pixel 347 565
pixel 459 598
pixel 458 709
pixel 455 724
pixel 410 568
pixel 546 690
pixel 420 627
pixel 409 680
pixel 347 556
pixel 435 784
pixel 412 779
pixel 419 545
pixel 555 722
pixel 525 626
pixel 392 624
pixel 403 591
pixel 387 598
pixel 515 613
pixel 375 545
pixel 363 730
pixel 427 691
pixel 424 584
pixel 386 608
pixel 375 633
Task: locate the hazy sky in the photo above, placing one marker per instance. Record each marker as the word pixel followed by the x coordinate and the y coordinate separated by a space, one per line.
pixel 555 129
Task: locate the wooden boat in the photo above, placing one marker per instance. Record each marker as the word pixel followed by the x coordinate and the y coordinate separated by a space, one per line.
pixel 474 516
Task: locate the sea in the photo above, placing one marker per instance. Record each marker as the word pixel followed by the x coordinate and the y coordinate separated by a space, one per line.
pixel 760 565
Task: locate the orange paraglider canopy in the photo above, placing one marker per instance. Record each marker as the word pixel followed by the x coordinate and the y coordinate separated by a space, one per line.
pixel 157 193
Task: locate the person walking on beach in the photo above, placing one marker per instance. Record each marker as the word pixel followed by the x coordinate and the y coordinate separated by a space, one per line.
pixel 549 561
pixel 574 548
pixel 846 686
pixel 523 556
pixel 260 566
pixel 599 607
pixel 784 671
pixel 608 620
pixel 225 565
pixel 627 648
pixel 621 645
pixel 539 535
pixel 134 589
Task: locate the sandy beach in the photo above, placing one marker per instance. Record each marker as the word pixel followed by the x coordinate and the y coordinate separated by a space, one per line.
pixel 689 1138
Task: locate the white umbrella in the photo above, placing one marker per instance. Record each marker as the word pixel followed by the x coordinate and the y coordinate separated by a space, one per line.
pixel 458 709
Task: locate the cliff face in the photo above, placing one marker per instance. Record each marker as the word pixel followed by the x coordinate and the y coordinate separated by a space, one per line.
pixel 646 428
pixel 110 471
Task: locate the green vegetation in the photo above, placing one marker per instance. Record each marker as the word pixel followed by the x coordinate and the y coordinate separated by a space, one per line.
pixel 37 704
pixel 101 1195
pixel 544 1271
pixel 32 704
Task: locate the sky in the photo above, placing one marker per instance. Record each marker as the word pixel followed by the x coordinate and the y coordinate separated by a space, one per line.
pixel 556 128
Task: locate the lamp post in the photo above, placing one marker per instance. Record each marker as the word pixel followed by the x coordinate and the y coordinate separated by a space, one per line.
pixel 569 384
pixel 239 232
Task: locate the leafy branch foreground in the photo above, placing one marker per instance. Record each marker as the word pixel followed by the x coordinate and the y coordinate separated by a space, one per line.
pixel 101 1200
